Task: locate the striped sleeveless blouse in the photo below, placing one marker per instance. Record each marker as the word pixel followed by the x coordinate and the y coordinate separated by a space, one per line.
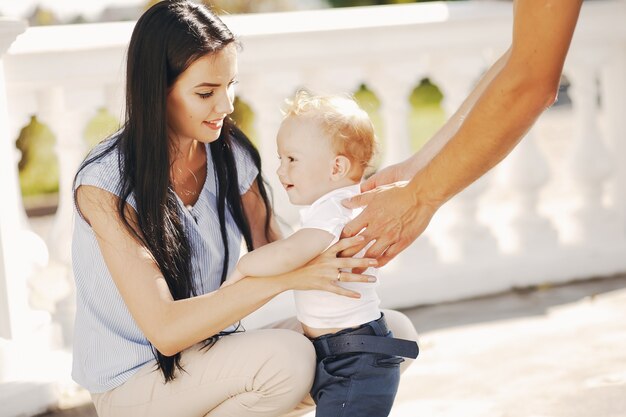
pixel 109 347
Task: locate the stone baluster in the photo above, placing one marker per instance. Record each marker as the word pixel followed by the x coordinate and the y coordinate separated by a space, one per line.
pixel 588 221
pixel 455 78
pixel 67 125
pixel 613 90
pixel 340 80
pixel 14 309
pixel 520 177
pixel 24 333
pixel 465 236
pixel 523 174
pixel 393 87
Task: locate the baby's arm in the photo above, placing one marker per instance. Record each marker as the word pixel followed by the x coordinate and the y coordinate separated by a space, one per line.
pixel 282 256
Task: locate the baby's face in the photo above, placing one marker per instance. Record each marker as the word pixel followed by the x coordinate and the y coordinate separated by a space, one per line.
pixel 306 160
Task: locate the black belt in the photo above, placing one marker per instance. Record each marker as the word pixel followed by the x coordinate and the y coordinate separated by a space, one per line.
pixel 368 338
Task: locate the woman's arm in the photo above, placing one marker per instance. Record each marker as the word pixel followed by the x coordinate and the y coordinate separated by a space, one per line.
pixel 172 326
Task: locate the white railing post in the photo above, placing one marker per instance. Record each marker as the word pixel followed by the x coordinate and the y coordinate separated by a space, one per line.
pixel 589 163
pixel 613 93
pixel 68 126
pixel 24 333
pixel 13 293
pixel 466 237
pixel 393 87
pixel 333 80
pixel 455 77
pixel 524 173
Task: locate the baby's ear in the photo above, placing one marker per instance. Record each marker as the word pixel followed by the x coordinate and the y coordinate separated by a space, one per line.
pixel 341 167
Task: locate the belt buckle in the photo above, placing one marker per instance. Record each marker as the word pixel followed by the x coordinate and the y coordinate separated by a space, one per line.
pixel 321 347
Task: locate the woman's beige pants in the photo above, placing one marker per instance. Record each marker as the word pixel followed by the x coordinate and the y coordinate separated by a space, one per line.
pixel 261 373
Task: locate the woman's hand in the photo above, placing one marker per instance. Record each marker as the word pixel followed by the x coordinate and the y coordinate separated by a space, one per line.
pixel 327 270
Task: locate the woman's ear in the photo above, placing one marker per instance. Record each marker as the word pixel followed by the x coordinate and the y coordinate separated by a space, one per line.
pixel 341 168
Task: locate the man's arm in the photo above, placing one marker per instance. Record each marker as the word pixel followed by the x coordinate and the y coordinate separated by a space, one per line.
pixel 406 170
pixel 502 113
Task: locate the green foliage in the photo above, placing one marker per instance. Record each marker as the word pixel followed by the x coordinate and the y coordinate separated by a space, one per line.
pixel 426 114
pixel 42 17
pixel 39 166
pixel 426 94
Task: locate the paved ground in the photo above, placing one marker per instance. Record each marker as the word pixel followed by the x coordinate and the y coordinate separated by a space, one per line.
pixel 547 352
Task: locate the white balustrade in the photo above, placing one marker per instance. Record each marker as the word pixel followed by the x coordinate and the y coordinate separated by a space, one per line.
pixel 24 335
pixel 333 79
pixel 13 296
pixel 523 174
pixel 455 76
pixel 393 85
pixel 613 103
pixel 589 162
pixel 495 234
pixel 463 237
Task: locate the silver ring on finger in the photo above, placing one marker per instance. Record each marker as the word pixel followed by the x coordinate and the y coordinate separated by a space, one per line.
pixel 338 275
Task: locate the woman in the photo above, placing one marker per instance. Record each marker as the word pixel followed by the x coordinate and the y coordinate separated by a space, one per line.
pixel 161 209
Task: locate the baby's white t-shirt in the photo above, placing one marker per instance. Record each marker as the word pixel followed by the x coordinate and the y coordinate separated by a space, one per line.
pixel 323 309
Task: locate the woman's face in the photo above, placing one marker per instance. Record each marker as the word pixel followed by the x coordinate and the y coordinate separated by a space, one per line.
pixel 202 97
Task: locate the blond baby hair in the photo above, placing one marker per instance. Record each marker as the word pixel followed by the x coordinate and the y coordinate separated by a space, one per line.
pixel 349 127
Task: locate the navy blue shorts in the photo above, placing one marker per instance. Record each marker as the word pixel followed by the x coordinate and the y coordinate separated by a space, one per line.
pixel 356 384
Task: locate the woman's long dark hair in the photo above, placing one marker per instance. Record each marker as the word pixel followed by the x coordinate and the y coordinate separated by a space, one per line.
pixel 166 40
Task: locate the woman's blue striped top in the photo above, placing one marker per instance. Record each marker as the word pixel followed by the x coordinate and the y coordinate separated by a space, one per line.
pixel 109 347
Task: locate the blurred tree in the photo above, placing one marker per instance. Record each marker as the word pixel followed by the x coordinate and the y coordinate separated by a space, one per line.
pixel 78 19
pixel 426 115
pixel 42 17
pixel 251 6
pixel 150 3
pixel 39 166
pixel 352 3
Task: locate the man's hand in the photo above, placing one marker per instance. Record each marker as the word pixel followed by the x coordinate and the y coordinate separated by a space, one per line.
pixel 386 176
pixel 394 218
